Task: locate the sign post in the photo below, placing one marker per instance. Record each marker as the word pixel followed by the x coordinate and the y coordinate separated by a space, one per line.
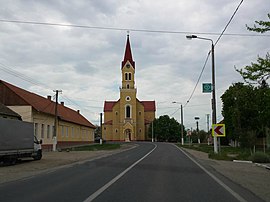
pixel 218 130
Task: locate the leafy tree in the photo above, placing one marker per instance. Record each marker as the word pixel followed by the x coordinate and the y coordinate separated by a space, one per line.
pixel 246 112
pixel 264 26
pixel 239 110
pixel 260 71
pixel 97 131
pixel 166 129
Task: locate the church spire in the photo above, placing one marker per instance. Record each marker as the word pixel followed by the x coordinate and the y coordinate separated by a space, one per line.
pixel 128 54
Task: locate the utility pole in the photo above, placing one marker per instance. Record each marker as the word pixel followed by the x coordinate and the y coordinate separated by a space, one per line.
pixel 55 120
pixel 100 140
pixel 208 133
pixel 153 131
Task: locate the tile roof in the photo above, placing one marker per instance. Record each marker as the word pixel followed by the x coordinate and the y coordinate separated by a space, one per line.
pixel 47 106
pixel 108 105
pixel 149 106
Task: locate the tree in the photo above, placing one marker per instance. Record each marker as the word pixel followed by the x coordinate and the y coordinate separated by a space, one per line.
pixel 97 131
pixel 240 111
pixel 264 26
pixel 166 129
pixel 260 71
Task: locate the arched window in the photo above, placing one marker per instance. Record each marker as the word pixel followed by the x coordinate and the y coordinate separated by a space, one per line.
pixel 127 86
pixel 128 112
pixel 129 76
pixel 126 76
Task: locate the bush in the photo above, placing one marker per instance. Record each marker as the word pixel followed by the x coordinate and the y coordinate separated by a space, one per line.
pixel 260 157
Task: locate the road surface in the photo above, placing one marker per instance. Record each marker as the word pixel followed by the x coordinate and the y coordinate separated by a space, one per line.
pixel 149 172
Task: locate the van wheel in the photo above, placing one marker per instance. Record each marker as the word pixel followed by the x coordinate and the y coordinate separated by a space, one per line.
pixel 39 155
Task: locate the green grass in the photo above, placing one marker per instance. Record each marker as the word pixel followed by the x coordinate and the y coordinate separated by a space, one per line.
pixel 227 152
pixel 97 147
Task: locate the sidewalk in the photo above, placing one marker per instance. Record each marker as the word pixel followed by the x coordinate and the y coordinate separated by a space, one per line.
pixel 249 175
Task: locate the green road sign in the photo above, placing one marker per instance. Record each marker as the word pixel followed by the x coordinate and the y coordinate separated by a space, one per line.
pixel 207 87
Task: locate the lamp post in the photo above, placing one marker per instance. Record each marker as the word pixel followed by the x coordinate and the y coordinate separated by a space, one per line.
pixel 182 128
pixel 197 126
pixel 214 113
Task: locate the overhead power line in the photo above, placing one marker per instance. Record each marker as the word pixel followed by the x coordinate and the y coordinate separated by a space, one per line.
pixel 222 33
pixel 130 29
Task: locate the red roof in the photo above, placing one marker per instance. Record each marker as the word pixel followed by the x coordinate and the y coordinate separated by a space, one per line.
pixel 149 106
pixel 128 55
pixel 108 122
pixel 19 96
pixel 108 105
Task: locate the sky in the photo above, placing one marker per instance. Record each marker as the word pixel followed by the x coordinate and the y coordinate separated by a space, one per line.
pixel 85 62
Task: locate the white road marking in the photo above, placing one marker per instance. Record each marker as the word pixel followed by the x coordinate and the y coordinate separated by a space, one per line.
pixel 106 186
pixel 237 196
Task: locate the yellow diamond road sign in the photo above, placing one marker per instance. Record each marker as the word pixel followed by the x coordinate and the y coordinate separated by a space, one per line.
pixel 218 130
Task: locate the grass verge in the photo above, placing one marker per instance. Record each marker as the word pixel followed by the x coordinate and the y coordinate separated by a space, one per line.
pixel 229 153
pixel 97 147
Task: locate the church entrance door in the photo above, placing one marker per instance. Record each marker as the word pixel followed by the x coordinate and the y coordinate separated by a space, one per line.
pixel 127 135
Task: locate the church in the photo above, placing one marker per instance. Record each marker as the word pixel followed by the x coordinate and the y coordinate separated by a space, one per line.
pixel 128 118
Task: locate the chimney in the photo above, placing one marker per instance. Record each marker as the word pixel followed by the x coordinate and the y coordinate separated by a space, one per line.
pixel 62 103
pixel 49 97
pixel 78 111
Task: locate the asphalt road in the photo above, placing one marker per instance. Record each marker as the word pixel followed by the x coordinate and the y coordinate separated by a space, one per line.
pixel 149 172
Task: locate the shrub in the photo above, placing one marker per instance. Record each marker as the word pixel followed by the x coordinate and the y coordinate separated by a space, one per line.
pixel 260 157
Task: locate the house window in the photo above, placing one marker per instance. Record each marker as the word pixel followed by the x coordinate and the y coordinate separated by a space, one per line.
pixel 53 131
pixel 63 131
pixel 48 131
pixel 140 113
pixel 116 113
pixel 129 76
pixel 72 132
pixel 42 130
pixel 36 129
pixel 66 131
pixel 128 112
pixel 126 76
pixel 116 131
pixel 127 86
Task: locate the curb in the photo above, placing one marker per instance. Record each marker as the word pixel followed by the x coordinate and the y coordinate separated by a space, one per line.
pixel 262 165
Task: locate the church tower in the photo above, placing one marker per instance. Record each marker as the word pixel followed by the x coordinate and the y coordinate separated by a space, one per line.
pixel 128 94
pixel 128 118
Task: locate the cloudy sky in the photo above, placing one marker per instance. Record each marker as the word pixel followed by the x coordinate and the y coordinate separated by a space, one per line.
pixel 85 62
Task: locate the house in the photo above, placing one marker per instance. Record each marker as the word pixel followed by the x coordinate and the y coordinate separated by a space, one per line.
pixel 128 118
pixel 7 113
pixel 72 127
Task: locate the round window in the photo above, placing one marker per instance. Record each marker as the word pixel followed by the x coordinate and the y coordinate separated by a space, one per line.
pixel 128 98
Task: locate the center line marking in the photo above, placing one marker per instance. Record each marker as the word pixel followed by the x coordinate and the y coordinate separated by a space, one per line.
pixel 106 186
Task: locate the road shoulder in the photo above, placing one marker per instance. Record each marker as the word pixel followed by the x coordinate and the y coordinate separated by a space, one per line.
pixel 248 175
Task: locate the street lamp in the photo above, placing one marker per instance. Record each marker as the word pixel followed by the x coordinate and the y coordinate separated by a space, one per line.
pixel 214 113
pixel 182 128
pixel 197 125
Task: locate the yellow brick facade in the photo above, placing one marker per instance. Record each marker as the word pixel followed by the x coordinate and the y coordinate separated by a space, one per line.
pixel 128 118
